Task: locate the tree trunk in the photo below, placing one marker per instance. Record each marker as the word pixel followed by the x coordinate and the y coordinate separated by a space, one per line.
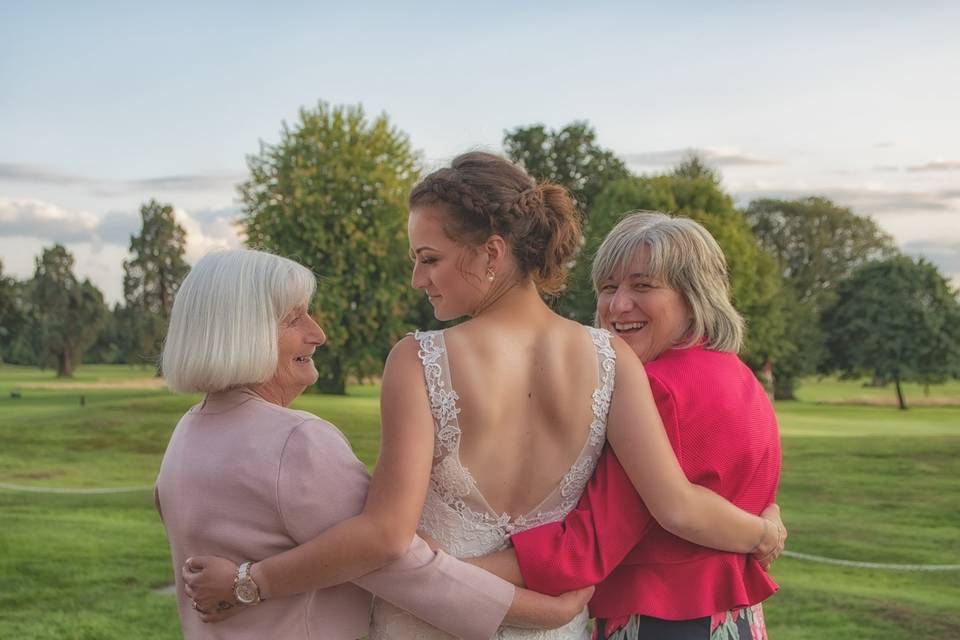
pixel 903 404
pixel 784 388
pixel 333 379
pixel 64 365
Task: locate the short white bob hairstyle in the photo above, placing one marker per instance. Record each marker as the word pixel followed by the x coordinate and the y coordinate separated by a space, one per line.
pixel 684 256
pixel 224 326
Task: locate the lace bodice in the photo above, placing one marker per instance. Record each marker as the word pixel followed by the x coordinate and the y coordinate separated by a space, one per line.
pixel 455 512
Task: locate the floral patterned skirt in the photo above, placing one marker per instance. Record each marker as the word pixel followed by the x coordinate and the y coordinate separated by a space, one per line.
pixel 739 624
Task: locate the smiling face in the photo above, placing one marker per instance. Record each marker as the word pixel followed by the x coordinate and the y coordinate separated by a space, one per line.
pixel 451 274
pixel 649 315
pixel 299 336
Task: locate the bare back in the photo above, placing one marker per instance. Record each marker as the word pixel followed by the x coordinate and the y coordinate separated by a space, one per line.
pixel 520 420
pixel 526 407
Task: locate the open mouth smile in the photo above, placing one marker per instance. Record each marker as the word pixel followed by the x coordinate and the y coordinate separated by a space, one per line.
pixel 628 327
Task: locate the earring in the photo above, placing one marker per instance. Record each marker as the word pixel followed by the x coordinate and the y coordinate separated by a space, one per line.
pixel 490 274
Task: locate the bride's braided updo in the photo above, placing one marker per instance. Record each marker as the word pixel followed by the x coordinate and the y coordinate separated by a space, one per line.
pixel 485 195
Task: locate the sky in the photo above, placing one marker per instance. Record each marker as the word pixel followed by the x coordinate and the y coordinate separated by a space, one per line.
pixel 104 105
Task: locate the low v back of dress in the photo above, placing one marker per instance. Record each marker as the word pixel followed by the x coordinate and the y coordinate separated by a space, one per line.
pixel 458 516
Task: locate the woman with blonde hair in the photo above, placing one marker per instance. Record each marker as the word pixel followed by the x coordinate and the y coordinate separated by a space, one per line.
pixel 662 286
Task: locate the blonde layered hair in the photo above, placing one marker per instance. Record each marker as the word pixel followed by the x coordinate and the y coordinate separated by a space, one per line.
pixel 684 256
pixel 224 326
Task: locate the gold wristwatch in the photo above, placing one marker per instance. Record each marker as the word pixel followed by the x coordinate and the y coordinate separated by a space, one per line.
pixel 245 590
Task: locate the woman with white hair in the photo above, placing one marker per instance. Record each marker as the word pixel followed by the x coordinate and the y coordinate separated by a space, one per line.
pixel 246 476
pixel 662 286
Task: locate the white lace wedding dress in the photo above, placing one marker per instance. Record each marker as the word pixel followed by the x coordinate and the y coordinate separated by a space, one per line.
pixel 458 516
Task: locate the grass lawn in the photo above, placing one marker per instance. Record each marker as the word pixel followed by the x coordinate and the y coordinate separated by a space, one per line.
pixel 862 481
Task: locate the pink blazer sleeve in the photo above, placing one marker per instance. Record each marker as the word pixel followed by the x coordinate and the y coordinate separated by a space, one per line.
pixel 321 482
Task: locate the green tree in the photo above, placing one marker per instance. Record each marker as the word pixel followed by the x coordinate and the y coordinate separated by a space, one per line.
pixel 332 195
pixel 150 279
pixel 816 243
pixel 570 157
pixel 754 281
pixel 12 313
pixel 694 166
pixel 112 345
pixel 68 313
pixel 897 319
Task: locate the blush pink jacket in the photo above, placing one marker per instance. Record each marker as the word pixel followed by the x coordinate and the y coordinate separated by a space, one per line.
pixel 246 479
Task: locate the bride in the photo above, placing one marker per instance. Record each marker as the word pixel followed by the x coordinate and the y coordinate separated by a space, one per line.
pixel 495 425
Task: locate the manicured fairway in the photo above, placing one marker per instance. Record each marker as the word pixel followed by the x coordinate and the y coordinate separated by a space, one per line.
pixel 861 482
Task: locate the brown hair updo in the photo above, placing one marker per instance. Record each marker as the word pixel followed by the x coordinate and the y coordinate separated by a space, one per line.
pixel 486 194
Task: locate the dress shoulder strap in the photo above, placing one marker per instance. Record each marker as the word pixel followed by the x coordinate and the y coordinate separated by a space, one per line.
pixel 607 371
pixel 443 398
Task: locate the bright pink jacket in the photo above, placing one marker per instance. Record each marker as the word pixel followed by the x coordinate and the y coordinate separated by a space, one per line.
pixel 724 431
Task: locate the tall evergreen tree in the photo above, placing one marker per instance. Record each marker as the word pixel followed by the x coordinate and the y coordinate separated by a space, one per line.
pixel 151 277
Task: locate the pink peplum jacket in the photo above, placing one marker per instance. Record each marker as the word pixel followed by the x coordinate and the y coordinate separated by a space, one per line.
pixel 724 431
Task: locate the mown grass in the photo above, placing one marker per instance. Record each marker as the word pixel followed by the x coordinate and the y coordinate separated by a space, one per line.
pixel 861 482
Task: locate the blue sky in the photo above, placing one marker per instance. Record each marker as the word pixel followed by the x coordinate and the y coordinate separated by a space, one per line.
pixel 106 104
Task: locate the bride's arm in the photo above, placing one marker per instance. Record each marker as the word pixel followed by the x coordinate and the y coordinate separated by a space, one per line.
pixel 382 532
pixel 689 511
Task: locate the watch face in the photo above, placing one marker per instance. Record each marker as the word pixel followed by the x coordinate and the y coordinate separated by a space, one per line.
pixel 246 593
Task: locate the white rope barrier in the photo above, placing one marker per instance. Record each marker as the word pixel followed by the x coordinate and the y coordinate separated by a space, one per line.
pixel 789 554
pixel 871 565
pixel 64 491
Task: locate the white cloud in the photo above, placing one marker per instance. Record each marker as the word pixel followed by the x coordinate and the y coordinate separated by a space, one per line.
pixel 220 233
pixel 718 157
pixel 99 243
pixel 35 218
pixel 11 172
pixel 937 165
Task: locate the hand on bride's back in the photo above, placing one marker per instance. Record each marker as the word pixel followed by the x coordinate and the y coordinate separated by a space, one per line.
pixel 568 605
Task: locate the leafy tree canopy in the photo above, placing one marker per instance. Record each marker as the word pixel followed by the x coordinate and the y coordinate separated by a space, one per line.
pixel 67 313
pixel 570 157
pixel 897 319
pixel 11 312
pixel 332 195
pixel 816 243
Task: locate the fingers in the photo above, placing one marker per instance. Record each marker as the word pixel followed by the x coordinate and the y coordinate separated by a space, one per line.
pixel 213 616
pixel 215 613
pixel 585 594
